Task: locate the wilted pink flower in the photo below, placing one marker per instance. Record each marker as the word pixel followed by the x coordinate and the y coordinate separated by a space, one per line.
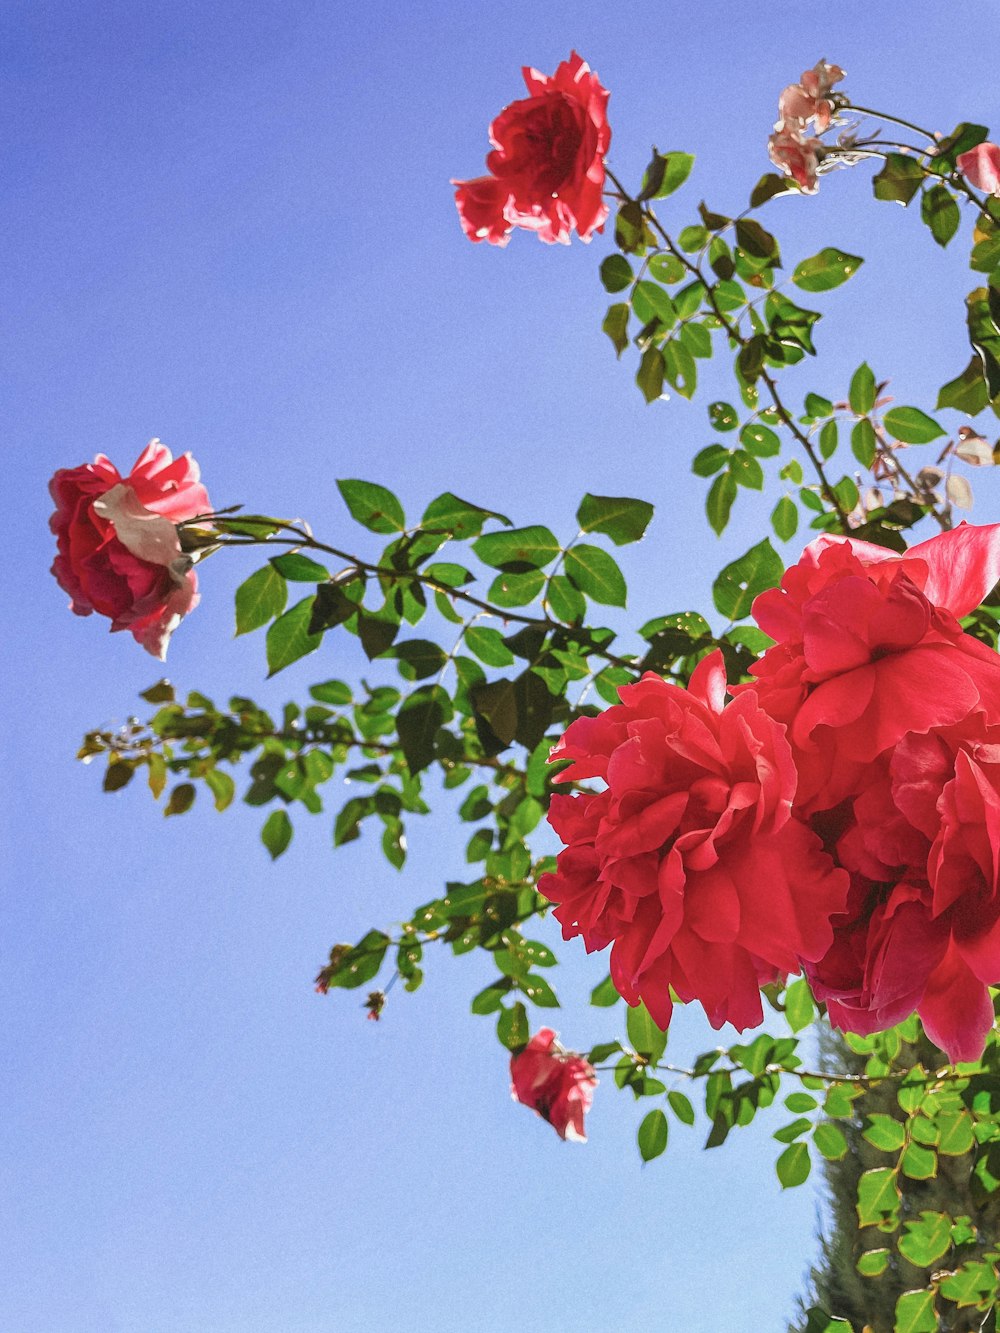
pixel 119 553
pixel 556 1083
pixel 797 155
pixel 547 165
pixel 808 100
pixel 981 167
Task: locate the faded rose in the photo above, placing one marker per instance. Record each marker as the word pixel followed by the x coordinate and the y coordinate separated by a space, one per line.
pixel 809 99
pixel 689 863
pixel 981 167
pixel 547 164
pixel 795 154
pixel 868 648
pixel 556 1083
pixel 119 553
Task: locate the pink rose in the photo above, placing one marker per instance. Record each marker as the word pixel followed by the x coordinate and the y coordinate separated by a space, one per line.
pixel 797 156
pixel 981 167
pixel 689 863
pixel 868 648
pixel 547 165
pixel 119 553
pixel 808 100
pixel 554 1082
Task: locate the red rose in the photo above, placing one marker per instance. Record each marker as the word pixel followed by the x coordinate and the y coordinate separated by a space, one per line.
pixel 554 1082
pixel 689 863
pixel 922 926
pixel 868 647
pixel 797 155
pixel 809 99
pixel 547 166
pixel 119 553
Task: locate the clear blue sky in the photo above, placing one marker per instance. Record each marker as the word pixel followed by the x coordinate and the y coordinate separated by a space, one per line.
pixel 230 226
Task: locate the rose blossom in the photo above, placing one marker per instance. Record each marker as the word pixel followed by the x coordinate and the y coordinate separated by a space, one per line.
pixel 547 163
pixel 554 1082
pixel 981 167
pixel 689 863
pixel 809 98
pixel 119 553
pixel 796 155
pixel 868 648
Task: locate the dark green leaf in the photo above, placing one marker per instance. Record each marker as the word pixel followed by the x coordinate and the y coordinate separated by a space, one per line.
pixel 516 589
pixel 518 549
pixel 785 518
pixel 377 632
pixel 331 607
pixel 863 442
pixel 911 425
pixel 651 302
pixel 512 1027
pixel 769 185
pixel 417 723
pixel 826 270
pixel 276 833
pixel 616 273
pixel 260 598
pixel 538 991
pixel 984 335
pixel 616 326
pixel 622 519
pixel 899 179
pixel 949 150
pixel 288 639
pixel 564 602
pixel 760 440
pixel 746 470
pixel 372 505
pixel 459 517
pixel 709 460
pixel 755 241
pixel 723 416
pixel 967 392
pixel 940 212
pixel 739 583
pixel 719 503
pixel 181 799
pixel 679 368
pixel 419 658
pixel 862 391
pixel 649 376
pixel 298 568
pixel 665 173
pixel 681 1107
pixel 595 574
pixel 652 1136
pixel 488 645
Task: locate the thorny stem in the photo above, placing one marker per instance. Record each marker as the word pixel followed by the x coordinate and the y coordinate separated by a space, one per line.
pixel 858 1080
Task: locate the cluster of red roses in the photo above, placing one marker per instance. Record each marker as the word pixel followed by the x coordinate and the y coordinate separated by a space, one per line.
pixel 840 815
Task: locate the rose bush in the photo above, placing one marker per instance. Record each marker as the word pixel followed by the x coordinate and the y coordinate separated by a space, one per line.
pixel 556 1083
pixel 547 164
pixel 689 863
pixel 118 549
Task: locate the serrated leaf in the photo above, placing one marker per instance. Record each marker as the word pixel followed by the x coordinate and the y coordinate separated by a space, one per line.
pixel 288 638
pixel 826 270
pixel 373 506
pixel 652 1136
pixel 276 833
pixel 619 517
pixel 595 574
pixel 926 1239
pixel 259 599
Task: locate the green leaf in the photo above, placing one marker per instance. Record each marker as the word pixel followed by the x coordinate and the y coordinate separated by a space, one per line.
pixel 974 1283
pixel 863 442
pixel 826 270
pixel 512 1027
pixel 298 568
pixel 755 241
pixel 830 1141
pixel 288 639
pixel 595 574
pixel 785 521
pixel 516 589
pixel 665 174
pixel 648 1040
pixel 940 212
pixel 692 238
pixel 967 392
pixel 417 723
pixel 760 440
pixel 260 598
pixel 926 1239
pixel 616 273
pixel 679 368
pixel 799 1007
pixel 793 1166
pixel 862 391
pixel 652 1136
pixel 911 425
pixel 723 416
pixel 955 1133
pixel 918 1162
pixel 616 516
pixel 538 991
pixel 984 335
pixel 746 470
pixel 878 1196
pixel 222 787
pixel 915 1313
pixel 419 658
pixel 885 1133
pixel 616 326
pixel 710 459
pixel 459 517
pixel 331 607
pixel 681 1106
pixel 519 549
pixel 667 269
pixel 899 179
pixel 873 1263
pixel 719 503
pixel 490 998
pixel 181 799
pixel 649 376
pixel 604 995
pixel 651 302
pixel 818 1321
pixel 565 603
pixel 739 583
pixel 373 506
pixel 769 185
pixel 276 833
pixel 488 645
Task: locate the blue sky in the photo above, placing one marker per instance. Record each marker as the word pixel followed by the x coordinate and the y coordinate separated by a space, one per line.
pixel 232 228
